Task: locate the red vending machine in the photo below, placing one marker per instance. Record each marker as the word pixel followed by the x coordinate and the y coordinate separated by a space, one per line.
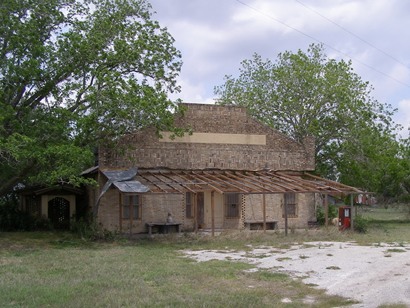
pixel 345 215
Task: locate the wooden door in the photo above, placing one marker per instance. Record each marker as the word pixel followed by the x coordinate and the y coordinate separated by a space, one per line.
pixel 200 209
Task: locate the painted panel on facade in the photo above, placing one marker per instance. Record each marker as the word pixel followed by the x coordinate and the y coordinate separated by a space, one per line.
pixel 215 138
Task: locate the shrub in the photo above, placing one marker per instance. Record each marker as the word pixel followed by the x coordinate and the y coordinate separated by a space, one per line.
pixel 320 214
pixel 88 230
pixel 360 224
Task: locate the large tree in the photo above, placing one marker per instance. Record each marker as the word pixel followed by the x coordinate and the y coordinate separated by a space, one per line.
pixel 74 74
pixel 308 94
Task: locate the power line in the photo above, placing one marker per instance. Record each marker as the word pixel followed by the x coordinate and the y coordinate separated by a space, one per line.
pixel 319 41
pixel 353 34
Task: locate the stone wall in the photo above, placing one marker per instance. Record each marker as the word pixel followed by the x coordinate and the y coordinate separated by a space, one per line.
pixel 305 209
pixel 145 149
pixel 155 208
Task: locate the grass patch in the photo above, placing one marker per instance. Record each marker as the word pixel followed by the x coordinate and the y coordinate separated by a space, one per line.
pixel 59 270
pixel 396 250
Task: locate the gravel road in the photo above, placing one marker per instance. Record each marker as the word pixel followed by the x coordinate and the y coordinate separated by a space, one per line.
pixel 373 275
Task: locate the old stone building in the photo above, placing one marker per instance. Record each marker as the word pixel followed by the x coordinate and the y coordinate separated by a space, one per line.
pixel 230 172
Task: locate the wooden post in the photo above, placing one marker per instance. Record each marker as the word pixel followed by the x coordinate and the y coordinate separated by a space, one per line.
pixel 326 211
pixel 286 215
pixel 131 209
pixel 264 212
pixel 351 212
pixel 120 218
pixel 213 212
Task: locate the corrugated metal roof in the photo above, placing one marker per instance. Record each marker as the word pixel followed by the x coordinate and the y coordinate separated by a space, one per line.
pixel 131 187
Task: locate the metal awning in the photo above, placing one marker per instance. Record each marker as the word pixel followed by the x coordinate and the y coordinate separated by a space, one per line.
pixel 131 187
pixel 238 181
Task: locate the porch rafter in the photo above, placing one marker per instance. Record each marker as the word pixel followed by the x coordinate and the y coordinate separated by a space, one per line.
pixel 238 181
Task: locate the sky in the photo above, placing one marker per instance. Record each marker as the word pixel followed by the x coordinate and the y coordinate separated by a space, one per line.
pixel 215 36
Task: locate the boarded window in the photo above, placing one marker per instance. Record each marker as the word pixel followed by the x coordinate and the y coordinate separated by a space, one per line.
pixel 188 205
pixel 290 204
pixel 232 205
pixel 131 204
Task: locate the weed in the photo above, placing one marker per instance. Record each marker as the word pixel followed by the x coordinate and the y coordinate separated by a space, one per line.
pixel 396 250
pixel 333 267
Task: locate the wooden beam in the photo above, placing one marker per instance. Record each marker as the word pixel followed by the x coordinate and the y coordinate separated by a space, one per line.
pixel 120 218
pixel 150 182
pixel 351 213
pixel 207 181
pixel 241 189
pixel 131 210
pixel 252 182
pixel 183 184
pixel 285 187
pixel 286 215
pixel 326 203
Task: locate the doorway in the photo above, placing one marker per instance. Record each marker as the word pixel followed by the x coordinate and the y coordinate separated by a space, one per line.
pixel 59 213
pixel 200 215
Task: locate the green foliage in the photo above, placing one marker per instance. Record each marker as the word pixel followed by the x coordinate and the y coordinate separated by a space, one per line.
pixel 90 230
pixel 320 214
pixel 308 94
pixel 74 75
pixel 12 219
pixel 360 224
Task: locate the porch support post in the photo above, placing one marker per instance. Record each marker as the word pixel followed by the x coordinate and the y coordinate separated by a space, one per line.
pixel 131 210
pixel 351 213
pixel 264 212
pixel 326 210
pixel 286 215
pixel 120 213
pixel 213 212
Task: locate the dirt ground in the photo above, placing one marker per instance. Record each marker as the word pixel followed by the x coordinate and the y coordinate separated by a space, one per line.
pixel 373 275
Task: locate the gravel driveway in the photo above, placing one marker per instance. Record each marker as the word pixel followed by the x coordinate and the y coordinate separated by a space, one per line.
pixel 373 275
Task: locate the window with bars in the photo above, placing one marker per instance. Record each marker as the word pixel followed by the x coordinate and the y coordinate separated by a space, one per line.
pixel 232 205
pixel 290 204
pixel 188 205
pixel 131 204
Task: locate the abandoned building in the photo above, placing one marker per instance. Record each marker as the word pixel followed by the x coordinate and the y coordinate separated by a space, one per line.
pixel 231 172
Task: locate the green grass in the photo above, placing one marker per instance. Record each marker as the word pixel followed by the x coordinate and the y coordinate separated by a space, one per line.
pixel 45 269
pixel 59 270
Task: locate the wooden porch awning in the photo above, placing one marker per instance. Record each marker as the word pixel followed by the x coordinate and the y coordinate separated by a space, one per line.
pixel 238 181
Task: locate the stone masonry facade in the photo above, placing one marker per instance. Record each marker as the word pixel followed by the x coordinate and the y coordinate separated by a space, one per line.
pixel 145 149
pixel 271 150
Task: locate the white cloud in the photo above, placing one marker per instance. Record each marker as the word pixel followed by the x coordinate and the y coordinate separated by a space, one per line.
pixel 215 36
pixel 403 114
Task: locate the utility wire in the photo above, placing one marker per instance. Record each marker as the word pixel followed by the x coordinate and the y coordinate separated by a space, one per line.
pixel 319 41
pixel 353 34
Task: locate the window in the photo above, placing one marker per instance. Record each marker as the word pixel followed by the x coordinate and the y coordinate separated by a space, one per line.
pixel 188 205
pixel 131 204
pixel 290 204
pixel 231 205
pixel 33 206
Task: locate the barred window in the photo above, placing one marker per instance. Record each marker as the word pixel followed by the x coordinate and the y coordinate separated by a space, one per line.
pixel 131 203
pixel 188 204
pixel 290 203
pixel 232 205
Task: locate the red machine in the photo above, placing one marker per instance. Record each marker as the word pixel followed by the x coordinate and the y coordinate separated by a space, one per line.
pixel 345 215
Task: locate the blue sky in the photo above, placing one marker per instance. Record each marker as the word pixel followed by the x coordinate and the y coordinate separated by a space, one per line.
pixel 214 36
